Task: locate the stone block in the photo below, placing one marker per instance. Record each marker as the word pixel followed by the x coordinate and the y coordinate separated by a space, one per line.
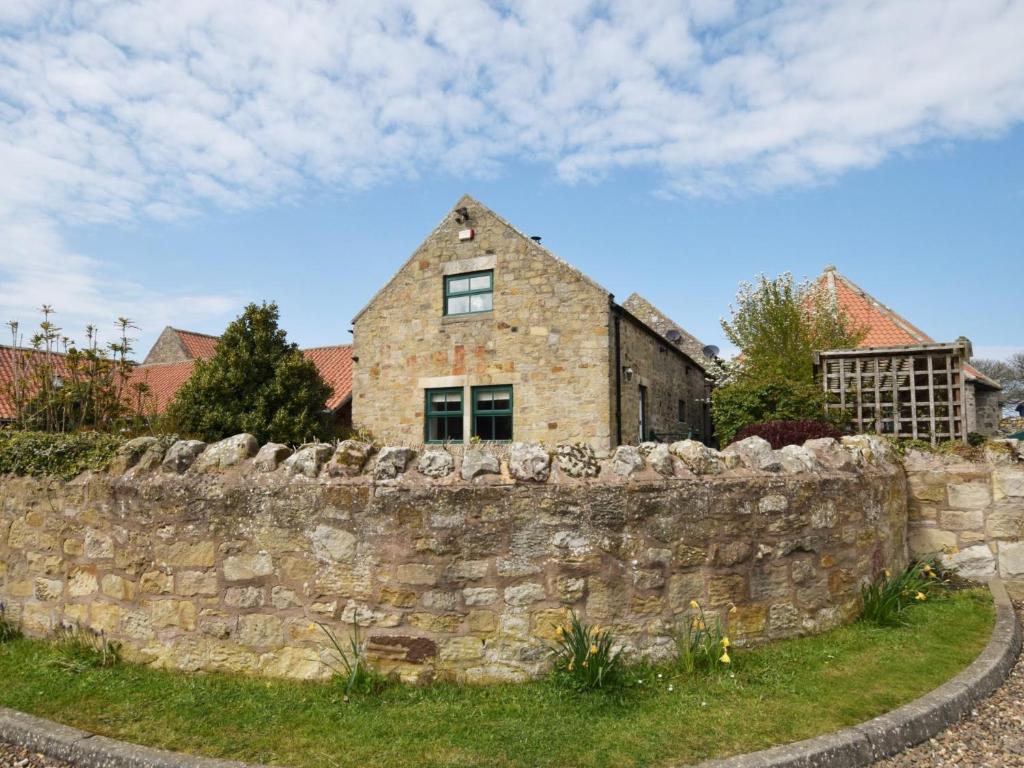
pixel 244 597
pixel 179 614
pixel 1006 520
pixel 400 598
pixel 1011 559
pixel 283 598
pixel 227 453
pixel 972 495
pixel 192 583
pixel 660 460
pixel 202 554
pixel 544 624
pixel 577 460
pixel 482 622
pixel 181 455
pixel 436 462
pixel 260 631
pixel 416 573
pixel 105 617
pixel 308 460
pixel 723 590
pixel 480 595
pixel 1009 483
pixel 684 587
pixel 959 520
pixel 270 456
pixel 118 587
pixel 48 590
pixel 98 545
pixel 246 567
pixel 349 458
pixel 523 594
pixel 333 544
pixel 976 563
pixel 434 622
pixel 392 462
pixel 82 582
pixel 475 463
pixel 697 457
pixel 924 541
pixel 529 462
pixel 626 460
pixel 295 663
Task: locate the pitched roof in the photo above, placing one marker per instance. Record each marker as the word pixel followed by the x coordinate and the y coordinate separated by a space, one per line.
pixel 165 379
pixel 200 346
pixel 335 366
pixel 466 201
pixel 11 360
pixel 654 318
pixel 884 326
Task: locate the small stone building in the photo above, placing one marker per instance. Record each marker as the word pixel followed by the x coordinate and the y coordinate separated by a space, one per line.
pixel 485 334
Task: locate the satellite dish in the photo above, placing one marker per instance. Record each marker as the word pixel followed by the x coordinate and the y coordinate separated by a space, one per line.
pixel 711 351
pixel 673 335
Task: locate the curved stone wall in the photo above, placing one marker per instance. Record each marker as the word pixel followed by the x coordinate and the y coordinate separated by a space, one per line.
pixel 451 566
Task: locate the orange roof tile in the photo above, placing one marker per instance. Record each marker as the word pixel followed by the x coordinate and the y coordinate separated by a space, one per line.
pixel 165 379
pixel 884 326
pixel 12 359
pixel 200 346
pixel 335 366
pixel 163 382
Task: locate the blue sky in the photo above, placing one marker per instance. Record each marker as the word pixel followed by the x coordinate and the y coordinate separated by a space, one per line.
pixel 173 166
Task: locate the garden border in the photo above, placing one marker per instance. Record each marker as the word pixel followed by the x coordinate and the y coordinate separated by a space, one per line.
pixel 859 745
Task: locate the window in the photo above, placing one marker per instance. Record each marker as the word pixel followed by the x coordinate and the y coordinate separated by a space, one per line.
pixel 444 415
pixel 468 293
pixel 682 410
pixel 492 413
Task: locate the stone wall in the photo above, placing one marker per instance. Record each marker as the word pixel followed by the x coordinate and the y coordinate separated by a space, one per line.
pixel 971 512
pixel 669 377
pixel 221 558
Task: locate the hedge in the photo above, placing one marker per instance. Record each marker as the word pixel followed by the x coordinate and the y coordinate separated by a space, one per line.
pixel 64 455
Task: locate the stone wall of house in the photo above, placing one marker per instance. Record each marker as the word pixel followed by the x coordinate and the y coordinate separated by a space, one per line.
pixel 460 566
pixel 547 336
pixel 970 512
pixel 669 378
pixel 168 348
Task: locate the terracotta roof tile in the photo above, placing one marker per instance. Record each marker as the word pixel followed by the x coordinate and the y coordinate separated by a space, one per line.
pixel 200 346
pixel 11 359
pixel 163 380
pixel 335 366
pixel 884 326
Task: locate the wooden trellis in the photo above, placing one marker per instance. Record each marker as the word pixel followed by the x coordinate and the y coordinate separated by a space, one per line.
pixel 912 391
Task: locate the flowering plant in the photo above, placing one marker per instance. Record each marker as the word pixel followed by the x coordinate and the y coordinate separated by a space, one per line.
pixel 584 656
pixel 702 643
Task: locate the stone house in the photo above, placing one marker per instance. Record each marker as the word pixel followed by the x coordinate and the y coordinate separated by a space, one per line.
pixel 890 334
pixel 485 334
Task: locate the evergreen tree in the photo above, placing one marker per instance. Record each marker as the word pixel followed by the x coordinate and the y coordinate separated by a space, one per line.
pixel 256 382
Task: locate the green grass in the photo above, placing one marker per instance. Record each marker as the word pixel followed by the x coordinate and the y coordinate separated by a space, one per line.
pixel 783 692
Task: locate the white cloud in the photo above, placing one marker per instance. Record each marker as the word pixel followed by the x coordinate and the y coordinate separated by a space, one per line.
pixel 111 111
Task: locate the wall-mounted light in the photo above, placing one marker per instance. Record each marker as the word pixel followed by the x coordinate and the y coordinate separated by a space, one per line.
pixel 628 373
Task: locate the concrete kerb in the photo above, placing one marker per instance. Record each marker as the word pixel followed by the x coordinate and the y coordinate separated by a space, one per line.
pixel 858 745
pixel 895 731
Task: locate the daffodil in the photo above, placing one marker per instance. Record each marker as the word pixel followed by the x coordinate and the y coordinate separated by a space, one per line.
pixel 724 658
pixel 732 608
pixel 725 642
pixel 695 605
pixel 572 665
pixel 920 596
pixel 560 632
pixel 593 649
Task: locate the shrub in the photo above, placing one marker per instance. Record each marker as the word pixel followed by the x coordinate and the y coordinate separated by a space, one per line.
pixel 256 382
pixel 750 400
pixel 885 600
pixel 702 644
pixel 60 454
pixel 584 659
pixel 9 630
pixel 80 649
pixel 783 433
pixel 350 664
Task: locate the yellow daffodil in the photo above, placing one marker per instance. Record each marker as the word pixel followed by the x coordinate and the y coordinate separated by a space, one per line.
pixel 560 632
pixel 724 658
pixel 593 649
pixel 732 608
pixel 725 642
pixel 886 573
pixel 920 596
pixel 695 605
pixel 572 665
pixel 584 663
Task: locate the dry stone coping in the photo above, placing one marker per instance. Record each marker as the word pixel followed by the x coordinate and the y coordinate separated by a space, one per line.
pixel 859 745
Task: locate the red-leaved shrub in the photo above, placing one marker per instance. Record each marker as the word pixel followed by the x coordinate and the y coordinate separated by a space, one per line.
pixel 782 433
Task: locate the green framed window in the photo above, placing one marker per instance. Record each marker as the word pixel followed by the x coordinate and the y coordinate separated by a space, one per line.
pixel 443 415
pixel 469 292
pixel 492 413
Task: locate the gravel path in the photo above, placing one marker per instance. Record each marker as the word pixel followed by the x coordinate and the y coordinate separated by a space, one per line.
pixel 991 737
pixel 14 757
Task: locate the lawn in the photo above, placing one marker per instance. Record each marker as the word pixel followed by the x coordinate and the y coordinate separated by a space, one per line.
pixel 784 692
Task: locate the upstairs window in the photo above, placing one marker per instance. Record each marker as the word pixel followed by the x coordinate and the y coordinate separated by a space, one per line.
pixel 468 293
pixel 444 415
pixel 492 413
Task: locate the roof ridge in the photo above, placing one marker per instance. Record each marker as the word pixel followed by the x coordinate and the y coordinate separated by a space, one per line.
pixel 326 346
pixel 193 333
pixel 892 314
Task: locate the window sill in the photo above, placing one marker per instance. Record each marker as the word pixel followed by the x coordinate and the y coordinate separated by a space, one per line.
pixel 467 318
